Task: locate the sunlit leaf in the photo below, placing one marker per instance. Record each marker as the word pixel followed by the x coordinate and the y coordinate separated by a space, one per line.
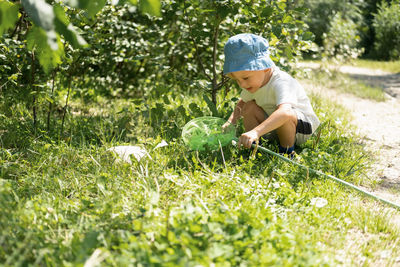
pixel 37 40
pixel 66 29
pixel 211 105
pixel 43 16
pixel 60 14
pixel 40 12
pixel 8 15
pixel 151 6
pixel 91 6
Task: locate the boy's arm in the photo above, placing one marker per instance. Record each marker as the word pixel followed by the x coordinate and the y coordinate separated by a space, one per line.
pixel 279 117
pixel 233 118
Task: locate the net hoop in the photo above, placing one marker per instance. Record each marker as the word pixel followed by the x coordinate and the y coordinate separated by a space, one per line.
pixel 205 133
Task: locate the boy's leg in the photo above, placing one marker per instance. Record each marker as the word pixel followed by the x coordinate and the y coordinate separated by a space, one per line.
pixel 287 132
pixel 253 115
pixel 306 125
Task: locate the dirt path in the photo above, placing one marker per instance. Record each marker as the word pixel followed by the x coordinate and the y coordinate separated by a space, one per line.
pixel 379 125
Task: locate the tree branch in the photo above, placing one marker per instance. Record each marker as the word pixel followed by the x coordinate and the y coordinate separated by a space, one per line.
pixel 32 86
pixel 18 24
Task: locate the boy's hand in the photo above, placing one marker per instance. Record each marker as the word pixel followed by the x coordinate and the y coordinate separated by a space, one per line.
pixel 226 125
pixel 248 138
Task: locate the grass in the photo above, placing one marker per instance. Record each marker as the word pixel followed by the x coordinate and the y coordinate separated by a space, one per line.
pixel 389 66
pixel 343 83
pixel 347 84
pixel 69 201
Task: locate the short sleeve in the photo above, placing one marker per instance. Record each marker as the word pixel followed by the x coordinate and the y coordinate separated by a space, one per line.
pixel 285 93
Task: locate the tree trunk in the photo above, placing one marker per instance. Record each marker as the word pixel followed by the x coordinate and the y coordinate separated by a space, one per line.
pixel 32 81
pixel 215 75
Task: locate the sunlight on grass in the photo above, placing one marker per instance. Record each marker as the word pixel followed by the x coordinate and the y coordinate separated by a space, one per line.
pixel 389 66
pixel 343 83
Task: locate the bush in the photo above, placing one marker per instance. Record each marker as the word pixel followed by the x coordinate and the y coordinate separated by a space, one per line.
pixel 342 40
pixel 387 27
pixel 322 12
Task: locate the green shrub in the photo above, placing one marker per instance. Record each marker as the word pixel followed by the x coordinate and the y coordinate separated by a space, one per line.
pixel 342 40
pixel 387 27
pixel 322 12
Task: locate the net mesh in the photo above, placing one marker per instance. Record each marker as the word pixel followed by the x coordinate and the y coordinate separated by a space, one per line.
pixel 206 133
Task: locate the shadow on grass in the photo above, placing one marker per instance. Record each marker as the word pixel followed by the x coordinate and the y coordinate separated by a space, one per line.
pixel 390 83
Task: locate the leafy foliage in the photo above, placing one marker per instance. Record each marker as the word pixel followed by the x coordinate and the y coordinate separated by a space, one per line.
pixel 387 26
pixel 185 44
pixel 121 51
pixel 42 15
pixel 322 12
pixel 368 21
pixel 8 15
pixel 342 40
pixel 49 58
pixel 54 22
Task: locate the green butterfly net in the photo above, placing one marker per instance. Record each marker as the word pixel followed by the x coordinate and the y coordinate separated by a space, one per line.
pixel 205 133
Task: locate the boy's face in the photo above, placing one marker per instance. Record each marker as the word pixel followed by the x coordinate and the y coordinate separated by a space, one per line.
pixel 251 80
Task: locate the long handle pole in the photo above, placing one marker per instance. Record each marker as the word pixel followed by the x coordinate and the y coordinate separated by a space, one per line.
pixel 392 204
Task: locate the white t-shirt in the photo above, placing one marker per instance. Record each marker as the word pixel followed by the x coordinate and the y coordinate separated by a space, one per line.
pixel 280 89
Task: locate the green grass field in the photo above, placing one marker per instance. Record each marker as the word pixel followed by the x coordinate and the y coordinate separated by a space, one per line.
pixel 68 201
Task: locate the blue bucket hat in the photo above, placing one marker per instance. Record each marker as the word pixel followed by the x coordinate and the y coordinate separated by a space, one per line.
pixel 246 51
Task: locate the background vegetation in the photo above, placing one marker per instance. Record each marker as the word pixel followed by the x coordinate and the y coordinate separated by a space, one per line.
pixel 78 77
pixel 349 29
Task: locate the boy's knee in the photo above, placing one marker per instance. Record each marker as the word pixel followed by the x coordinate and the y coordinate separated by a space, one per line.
pixel 250 108
pixel 291 116
pixel 289 127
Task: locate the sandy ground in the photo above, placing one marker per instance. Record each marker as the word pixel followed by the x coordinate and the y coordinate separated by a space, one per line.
pixel 379 125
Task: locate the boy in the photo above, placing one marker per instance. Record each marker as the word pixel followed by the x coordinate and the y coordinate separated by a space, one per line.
pixel 271 100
